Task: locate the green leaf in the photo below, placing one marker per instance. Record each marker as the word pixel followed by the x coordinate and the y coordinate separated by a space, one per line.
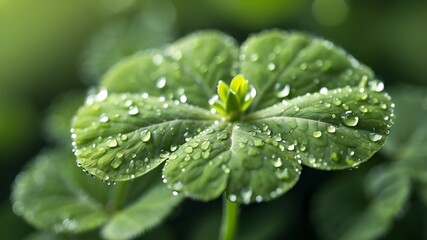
pixel 52 199
pixel 68 201
pixel 361 207
pixel 335 129
pixel 187 70
pixel 236 158
pixel 315 105
pixel 233 103
pixel 277 60
pixel 144 214
pixel 223 90
pixel 123 136
pixel 406 144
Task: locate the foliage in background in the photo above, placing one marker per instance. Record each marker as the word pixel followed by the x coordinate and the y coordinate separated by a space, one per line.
pixel 388 37
pixel 381 195
pixel 152 27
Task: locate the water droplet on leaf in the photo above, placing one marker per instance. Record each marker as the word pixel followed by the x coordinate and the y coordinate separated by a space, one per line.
pixel 112 143
pixel 133 110
pixel 317 134
pixel 145 135
pixel 205 145
pixel 331 129
pixel 271 66
pixel 375 137
pixel 161 82
pixel 188 150
pixel 349 119
pixel 246 194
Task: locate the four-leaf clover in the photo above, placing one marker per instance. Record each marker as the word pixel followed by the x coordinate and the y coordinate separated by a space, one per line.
pixel 294 100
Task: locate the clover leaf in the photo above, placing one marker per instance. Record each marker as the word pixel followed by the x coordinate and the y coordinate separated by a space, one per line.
pixel 52 194
pixel 315 105
pixel 368 210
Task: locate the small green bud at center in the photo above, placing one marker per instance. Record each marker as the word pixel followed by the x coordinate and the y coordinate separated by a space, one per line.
pixel 234 99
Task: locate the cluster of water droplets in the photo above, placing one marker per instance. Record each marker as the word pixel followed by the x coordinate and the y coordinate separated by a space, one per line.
pixel 114 151
pixel 198 149
pixel 65 224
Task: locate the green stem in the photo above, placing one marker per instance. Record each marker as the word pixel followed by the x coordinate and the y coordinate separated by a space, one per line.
pixel 120 194
pixel 230 217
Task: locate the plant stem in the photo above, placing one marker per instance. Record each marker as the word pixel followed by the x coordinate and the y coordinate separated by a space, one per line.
pixel 230 217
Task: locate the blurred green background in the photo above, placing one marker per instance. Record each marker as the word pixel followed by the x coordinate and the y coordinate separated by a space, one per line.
pixel 52 50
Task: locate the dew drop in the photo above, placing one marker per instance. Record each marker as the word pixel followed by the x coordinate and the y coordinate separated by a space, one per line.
pixel 183 99
pixel 303 66
pixel 323 91
pixel 319 63
pixel 331 129
pixel 271 66
pixel 291 147
pixel 284 92
pixel 112 143
pixel 158 59
pixel 282 174
pixel 363 95
pixel 188 150
pixel 363 109
pixel 173 148
pixel 258 143
pixel 145 135
pixel 205 145
pixel 128 103
pixel 349 119
pixel 246 194
pixel 206 154
pixel 225 169
pixel 317 134
pixel 277 162
pixel 116 163
pixel 336 101
pixel 161 82
pixel 334 156
pixel 232 197
pixel 222 136
pixel 375 137
pixel 254 57
pixel 376 85
pixel 177 186
pixel 102 95
pixel 345 106
pixel 175 193
pixel 103 118
pixel 349 161
pixel 252 152
pixel 133 110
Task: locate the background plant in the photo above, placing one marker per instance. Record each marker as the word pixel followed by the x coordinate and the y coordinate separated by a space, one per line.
pixel 394 50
